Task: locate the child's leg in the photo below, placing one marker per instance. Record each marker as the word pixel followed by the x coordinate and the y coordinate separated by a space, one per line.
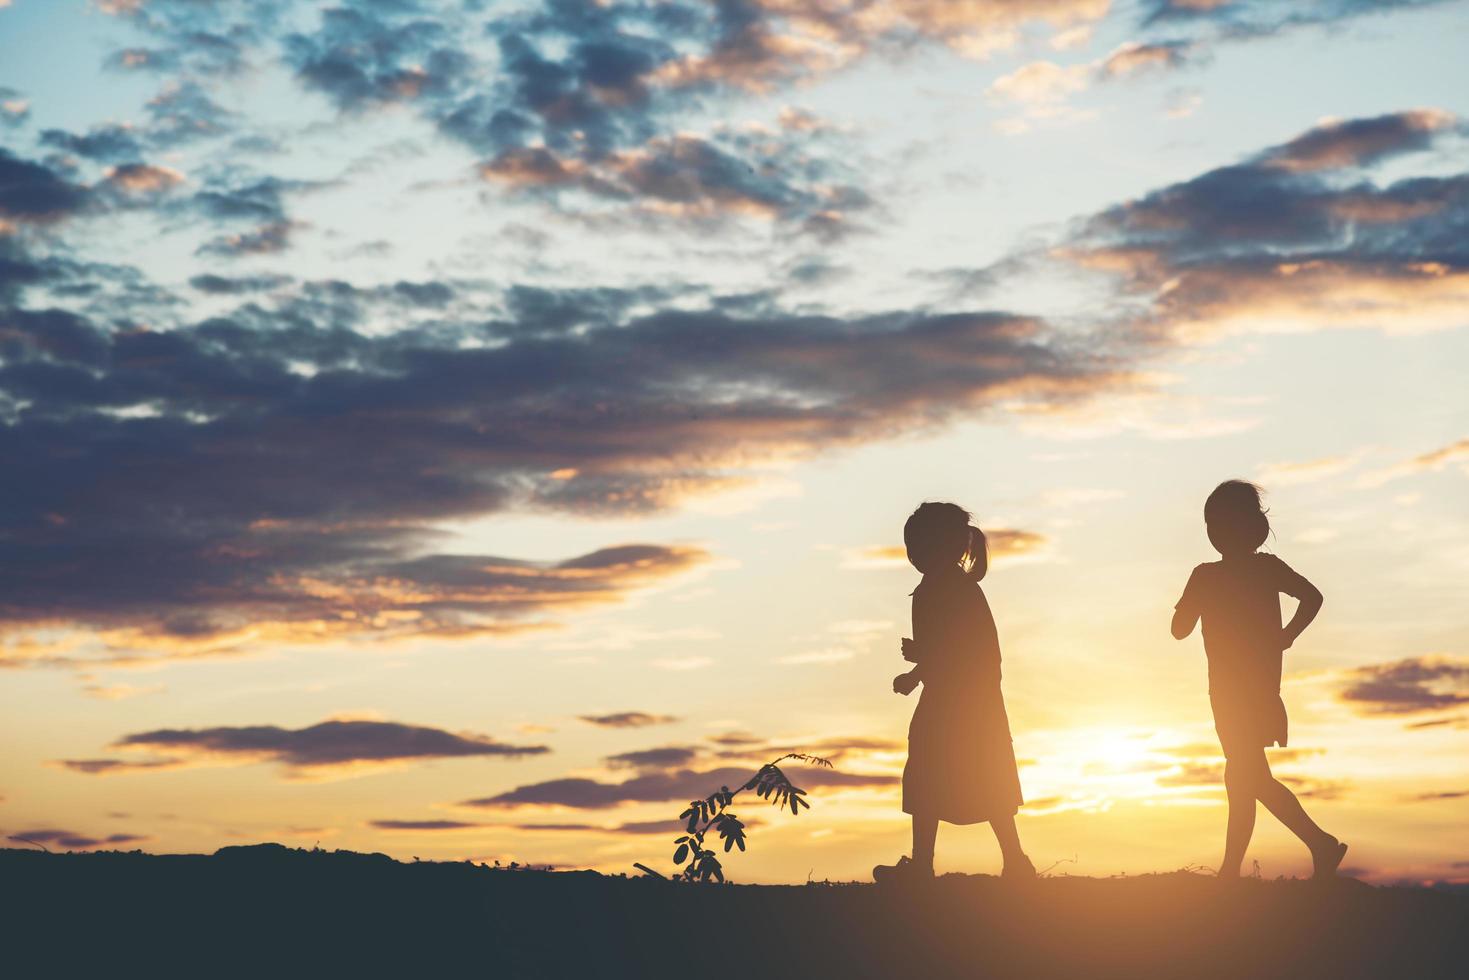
pixel 1281 802
pixel 925 833
pixel 1242 777
pixel 1009 838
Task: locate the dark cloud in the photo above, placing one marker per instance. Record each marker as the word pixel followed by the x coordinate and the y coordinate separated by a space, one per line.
pixel 1360 142
pixel 837 749
pixel 258 202
pixel 321 747
pixel 695 178
pixel 106 767
pixel 1258 18
pixel 628 719
pixel 218 285
pixel 107 143
pixel 240 197
pixel 73 841
pixel 734 739
pixel 371 55
pixel 422 825
pixel 33 193
pixel 196 39
pixel 276 471
pixel 684 784
pixel 1297 234
pixel 1408 686
pixel 667 757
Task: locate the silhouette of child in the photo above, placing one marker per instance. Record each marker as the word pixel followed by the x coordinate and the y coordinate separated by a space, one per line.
pixel 1238 599
pixel 961 764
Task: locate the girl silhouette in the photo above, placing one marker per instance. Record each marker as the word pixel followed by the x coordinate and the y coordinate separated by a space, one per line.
pixel 961 765
pixel 1238 598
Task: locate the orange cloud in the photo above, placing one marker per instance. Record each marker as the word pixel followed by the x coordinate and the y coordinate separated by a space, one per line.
pixel 142 178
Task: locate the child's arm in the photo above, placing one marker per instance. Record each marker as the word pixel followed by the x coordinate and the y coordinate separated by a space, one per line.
pixel 1308 603
pixel 905 683
pixel 1186 612
pixel 913 649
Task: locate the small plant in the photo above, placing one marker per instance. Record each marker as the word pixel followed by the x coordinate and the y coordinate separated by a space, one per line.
pixel 712 813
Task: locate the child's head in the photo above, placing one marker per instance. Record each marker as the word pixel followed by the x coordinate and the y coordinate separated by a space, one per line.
pixel 940 536
pixel 1235 518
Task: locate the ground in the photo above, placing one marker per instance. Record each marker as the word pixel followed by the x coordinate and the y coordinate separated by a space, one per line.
pixel 267 910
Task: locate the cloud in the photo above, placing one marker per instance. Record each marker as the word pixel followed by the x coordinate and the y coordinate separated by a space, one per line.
pixel 285 463
pixel 834 749
pixel 1407 686
pixel 696 178
pixel 1040 81
pixel 108 767
pixel 1338 144
pixel 1134 57
pixel 1247 19
pixel 1453 454
pixel 1042 89
pixel 1297 237
pixel 73 841
pixel 421 825
pixel 667 757
pixel 217 285
pixel 1309 471
pixel 265 240
pixel 1003 543
pixel 683 784
pixel 628 719
pixel 359 60
pixel 335 747
pixel 118 692
pixel 107 142
pixel 33 193
pixel 15 109
pixel 142 179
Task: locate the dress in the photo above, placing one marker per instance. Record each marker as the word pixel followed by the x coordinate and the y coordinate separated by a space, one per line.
pixel 961 763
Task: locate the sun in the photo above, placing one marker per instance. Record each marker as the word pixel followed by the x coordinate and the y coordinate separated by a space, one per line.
pixel 1118 750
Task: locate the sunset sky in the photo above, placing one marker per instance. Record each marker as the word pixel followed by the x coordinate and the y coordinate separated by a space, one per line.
pixel 474 429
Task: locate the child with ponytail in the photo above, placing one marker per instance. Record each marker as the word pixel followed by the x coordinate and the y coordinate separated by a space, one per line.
pixel 961 764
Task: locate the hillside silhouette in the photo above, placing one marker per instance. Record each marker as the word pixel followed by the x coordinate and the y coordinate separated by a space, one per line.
pixel 270 910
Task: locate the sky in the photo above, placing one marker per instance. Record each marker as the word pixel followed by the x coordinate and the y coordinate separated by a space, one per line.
pixel 473 430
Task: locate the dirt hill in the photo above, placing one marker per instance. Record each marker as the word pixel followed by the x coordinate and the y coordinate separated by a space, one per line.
pixel 272 911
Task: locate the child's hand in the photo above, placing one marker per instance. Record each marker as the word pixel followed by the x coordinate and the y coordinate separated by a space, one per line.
pixel 910 650
pixel 904 684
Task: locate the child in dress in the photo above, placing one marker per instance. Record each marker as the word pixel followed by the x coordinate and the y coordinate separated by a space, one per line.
pixel 961 765
pixel 1238 599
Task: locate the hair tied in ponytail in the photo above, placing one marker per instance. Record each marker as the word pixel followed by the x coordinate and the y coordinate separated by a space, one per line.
pixel 977 561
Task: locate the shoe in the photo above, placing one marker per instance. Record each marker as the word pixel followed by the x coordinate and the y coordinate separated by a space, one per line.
pixel 1021 870
pixel 1327 859
pixel 904 871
